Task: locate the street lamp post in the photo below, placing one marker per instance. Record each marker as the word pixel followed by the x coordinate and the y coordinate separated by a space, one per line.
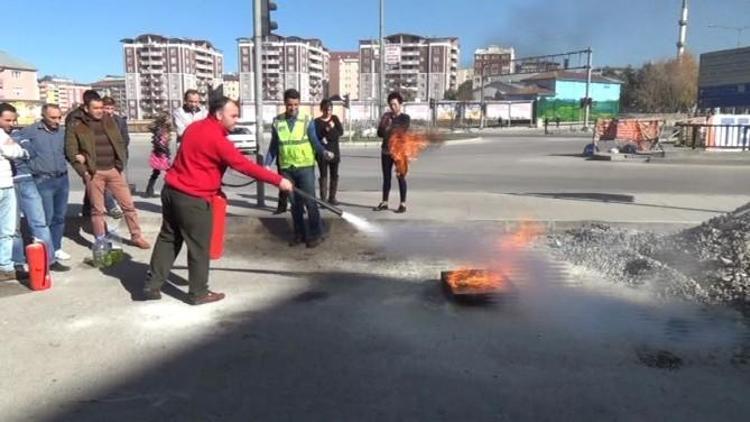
pixel 739 29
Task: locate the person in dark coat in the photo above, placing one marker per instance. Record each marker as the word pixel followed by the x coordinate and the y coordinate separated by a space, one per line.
pixel 393 122
pixel 329 130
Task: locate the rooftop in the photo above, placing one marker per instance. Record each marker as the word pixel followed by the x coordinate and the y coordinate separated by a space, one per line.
pixel 566 75
pixel 9 62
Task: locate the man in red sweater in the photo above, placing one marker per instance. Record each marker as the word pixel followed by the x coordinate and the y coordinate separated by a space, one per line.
pixel 190 184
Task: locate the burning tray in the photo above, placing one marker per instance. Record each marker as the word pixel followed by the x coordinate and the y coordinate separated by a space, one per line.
pixel 474 284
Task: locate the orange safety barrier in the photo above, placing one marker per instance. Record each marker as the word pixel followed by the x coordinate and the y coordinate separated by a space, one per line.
pixel 644 133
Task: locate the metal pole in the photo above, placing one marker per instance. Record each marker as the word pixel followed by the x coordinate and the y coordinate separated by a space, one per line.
pixel 258 68
pixel 381 78
pixel 587 109
pixel 481 102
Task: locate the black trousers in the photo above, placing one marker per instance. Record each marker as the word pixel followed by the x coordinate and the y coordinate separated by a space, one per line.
pixel 328 167
pixel 387 163
pixel 185 219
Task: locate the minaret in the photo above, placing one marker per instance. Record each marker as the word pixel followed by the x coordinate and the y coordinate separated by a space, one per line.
pixel 683 30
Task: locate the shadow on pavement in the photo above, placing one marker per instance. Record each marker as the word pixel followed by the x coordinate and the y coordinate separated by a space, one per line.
pixel 608 198
pixel 132 275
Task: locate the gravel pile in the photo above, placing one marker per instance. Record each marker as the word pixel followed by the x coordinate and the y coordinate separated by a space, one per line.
pixel 710 262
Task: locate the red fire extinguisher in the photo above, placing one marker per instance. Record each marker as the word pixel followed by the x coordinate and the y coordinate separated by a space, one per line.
pixel 219 212
pixel 37 258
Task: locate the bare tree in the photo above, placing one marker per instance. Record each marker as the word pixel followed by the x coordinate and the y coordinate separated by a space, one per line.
pixel 667 86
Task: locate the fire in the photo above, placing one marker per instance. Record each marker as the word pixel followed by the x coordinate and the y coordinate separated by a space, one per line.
pixel 467 278
pixel 405 147
pixel 509 248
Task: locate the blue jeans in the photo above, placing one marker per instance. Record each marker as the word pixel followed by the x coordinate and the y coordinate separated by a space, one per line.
pixel 54 192
pixel 304 179
pixel 30 204
pixel 8 219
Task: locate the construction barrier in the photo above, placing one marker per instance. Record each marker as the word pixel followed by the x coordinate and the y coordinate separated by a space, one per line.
pixel 642 133
pixel 716 132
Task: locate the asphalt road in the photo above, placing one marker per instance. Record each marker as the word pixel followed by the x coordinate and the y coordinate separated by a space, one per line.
pixel 519 164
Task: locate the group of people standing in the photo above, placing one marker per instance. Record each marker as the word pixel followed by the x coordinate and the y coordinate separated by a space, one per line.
pixel 94 142
pixel 34 180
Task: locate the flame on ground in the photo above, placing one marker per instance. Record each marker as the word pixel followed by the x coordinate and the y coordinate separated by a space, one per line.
pixel 473 279
pixel 407 146
pixel 510 246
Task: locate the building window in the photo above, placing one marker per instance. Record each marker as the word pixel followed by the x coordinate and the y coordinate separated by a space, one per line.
pixel 16 74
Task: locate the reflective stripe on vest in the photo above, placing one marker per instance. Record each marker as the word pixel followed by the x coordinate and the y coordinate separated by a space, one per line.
pixel 295 149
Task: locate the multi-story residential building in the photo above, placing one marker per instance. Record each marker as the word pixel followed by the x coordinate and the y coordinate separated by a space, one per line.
pixel 344 71
pixel 231 84
pixel 464 75
pixel 418 67
pixel 19 87
pixel 288 62
pixel 158 71
pixel 61 91
pixel 113 86
pixel 491 62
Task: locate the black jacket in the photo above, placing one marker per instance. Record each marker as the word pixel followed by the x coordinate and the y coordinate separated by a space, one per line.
pixel 329 136
pixel 390 125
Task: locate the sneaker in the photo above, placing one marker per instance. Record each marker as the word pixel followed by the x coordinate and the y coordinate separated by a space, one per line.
pixel 401 209
pixel 58 267
pixel 209 297
pixel 115 213
pixel 61 255
pixel 381 207
pixel 140 242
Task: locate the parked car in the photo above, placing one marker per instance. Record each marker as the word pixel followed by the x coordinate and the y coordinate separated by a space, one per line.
pixel 243 137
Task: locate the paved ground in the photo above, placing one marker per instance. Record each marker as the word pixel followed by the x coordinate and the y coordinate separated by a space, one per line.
pixel 360 328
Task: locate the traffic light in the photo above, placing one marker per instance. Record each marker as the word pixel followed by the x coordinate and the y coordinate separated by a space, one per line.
pixel 433 103
pixel 267 25
pixel 586 102
pixel 346 101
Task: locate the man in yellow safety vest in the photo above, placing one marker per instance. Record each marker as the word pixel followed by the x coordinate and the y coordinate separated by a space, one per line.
pixel 295 144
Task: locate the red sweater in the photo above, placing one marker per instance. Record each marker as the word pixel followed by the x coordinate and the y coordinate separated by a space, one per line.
pixel 203 157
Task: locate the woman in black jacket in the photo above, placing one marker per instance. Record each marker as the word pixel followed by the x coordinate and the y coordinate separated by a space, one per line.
pixel 392 123
pixel 329 130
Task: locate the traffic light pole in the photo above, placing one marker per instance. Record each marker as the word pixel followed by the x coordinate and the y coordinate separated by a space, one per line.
pixel 587 109
pixel 258 69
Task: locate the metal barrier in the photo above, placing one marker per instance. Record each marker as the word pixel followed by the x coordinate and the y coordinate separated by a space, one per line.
pixel 714 136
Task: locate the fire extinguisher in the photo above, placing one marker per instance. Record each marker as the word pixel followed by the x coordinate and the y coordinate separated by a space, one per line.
pixel 38 260
pixel 219 216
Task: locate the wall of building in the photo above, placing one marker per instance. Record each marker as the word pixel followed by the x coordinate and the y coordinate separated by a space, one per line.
pixel 566 102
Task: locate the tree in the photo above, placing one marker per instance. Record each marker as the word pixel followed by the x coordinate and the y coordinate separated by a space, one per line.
pixel 450 95
pixel 466 91
pixel 667 86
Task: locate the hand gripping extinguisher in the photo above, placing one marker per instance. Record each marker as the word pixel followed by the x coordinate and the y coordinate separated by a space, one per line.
pixel 219 217
pixel 38 260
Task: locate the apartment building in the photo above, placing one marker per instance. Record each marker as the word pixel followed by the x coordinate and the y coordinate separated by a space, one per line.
pixel 288 62
pixel 491 62
pixel 158 71
pixel 344 74
pixel 420 68
pixel 61 91
pixel 19 87
pixel 113 86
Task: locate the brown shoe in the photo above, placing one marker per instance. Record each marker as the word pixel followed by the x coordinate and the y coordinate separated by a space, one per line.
pixel 140 242
pixel 207 298
pixel 7 275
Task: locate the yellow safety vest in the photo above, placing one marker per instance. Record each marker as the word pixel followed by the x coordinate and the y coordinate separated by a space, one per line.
pixel 295 149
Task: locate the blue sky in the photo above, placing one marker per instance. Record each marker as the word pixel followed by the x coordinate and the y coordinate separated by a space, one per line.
pixel 80 38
